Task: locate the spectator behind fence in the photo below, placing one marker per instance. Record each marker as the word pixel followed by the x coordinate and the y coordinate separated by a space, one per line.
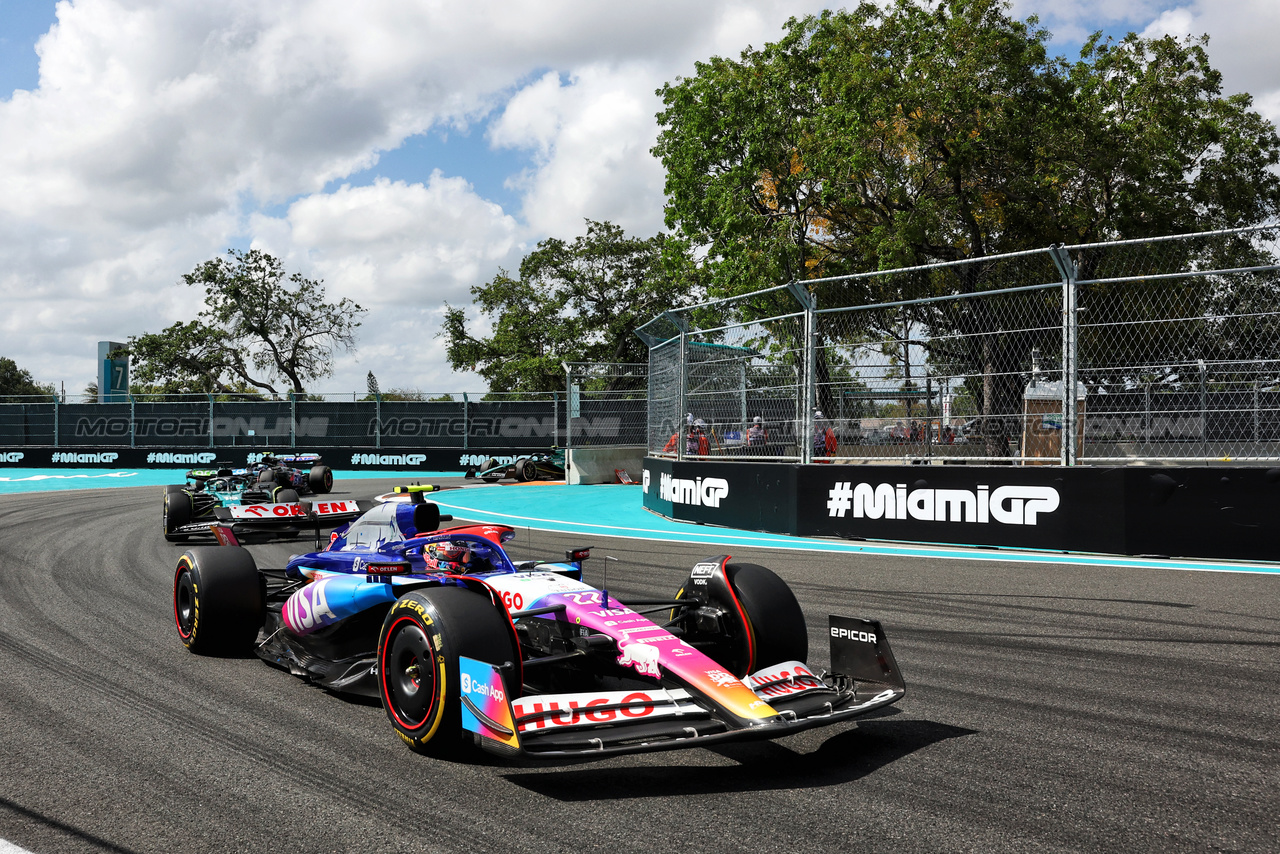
pixel 756 434
pixel 697 443
pixel 824 438
pixel 673 442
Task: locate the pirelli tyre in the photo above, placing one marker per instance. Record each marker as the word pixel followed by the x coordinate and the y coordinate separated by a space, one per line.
pixel 266 476
pixel 177 511
pixel 763 628
pixel 320 480
pixel 526 470
pixel 218 600
pixel 422 638
pixel 490 463
pixel 175 487
pixel 285 495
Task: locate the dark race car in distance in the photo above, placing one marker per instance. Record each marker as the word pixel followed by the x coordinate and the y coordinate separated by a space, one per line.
pixel 463 646
pixel 549 466
pixel 189 509
pixel 305 473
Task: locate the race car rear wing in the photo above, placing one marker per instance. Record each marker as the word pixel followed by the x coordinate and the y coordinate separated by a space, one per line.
pixel 298 458
pixel 291 513
pixel 284 519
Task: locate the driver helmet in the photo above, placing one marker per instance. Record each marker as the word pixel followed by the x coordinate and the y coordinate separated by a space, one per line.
pixel 450 552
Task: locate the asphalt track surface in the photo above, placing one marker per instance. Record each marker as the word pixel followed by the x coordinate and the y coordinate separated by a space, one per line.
pixel 1049 708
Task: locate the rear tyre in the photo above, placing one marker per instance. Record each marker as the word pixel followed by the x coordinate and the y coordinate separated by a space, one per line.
pixel 174 487
pixel 526 470
pixel 490 464
pixel 285 495
pixel 266 476
pixel 422 638
pixel 218 602
pixel 176 513
pixel 320 480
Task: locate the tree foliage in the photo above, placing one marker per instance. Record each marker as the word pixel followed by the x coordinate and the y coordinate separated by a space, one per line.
pixel 259 326
pixel 883 138
pixel 18 381
pixel 578 301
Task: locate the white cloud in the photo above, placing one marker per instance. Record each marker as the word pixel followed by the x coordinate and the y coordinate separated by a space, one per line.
pixel 592 137
pixel 165 130
pixel 401 251
pixel 1241 36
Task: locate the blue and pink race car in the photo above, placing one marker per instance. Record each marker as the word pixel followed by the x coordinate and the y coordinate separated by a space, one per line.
pixel 465 647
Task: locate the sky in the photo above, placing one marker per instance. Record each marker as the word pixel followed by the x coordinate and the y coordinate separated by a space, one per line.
pixel 403 151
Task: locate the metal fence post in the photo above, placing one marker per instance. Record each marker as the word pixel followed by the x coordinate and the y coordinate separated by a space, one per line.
pixel 211 420
pixel 568 406
pixel 132 420
pixel 56 417
pixel 293 418
pixel 555 420
pixel 1257 417
pixel 681 398
pixel 466 429
pixel 377 419
pixel 1070 353
pixel 928 416
pixel 1204 409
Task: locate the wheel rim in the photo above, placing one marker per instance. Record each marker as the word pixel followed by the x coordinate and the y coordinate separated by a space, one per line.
pixel 184 604
pixel 409 674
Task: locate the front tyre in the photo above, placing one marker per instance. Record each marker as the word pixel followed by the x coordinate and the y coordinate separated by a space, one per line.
pixel 218 602
pixel 176 513
pixel 492 477
pixel 773 615
pixel 320 480
pixel 761 623
pixel 422 638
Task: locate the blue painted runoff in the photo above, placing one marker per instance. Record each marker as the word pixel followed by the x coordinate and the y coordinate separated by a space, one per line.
pixel 615 510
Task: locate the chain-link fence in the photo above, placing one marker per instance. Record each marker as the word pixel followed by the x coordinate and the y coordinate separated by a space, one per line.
pixel 1163 350
pixel 606 404
pixel 729 387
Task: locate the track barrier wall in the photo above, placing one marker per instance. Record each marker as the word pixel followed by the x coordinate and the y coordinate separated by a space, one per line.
pixel 345 459
pixel 1223 513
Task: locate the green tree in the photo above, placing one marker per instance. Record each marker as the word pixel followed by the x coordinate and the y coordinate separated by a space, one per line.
pixel 18 381
pixel 259 326
pixel 572 302
pixel 876 139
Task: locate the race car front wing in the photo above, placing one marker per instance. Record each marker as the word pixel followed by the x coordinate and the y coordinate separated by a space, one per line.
pixel 864 679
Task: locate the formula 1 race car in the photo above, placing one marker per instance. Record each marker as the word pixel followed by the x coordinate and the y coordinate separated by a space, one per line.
pixel 549 466
pixel 192 507
pixel 464 646
pixel 311 478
